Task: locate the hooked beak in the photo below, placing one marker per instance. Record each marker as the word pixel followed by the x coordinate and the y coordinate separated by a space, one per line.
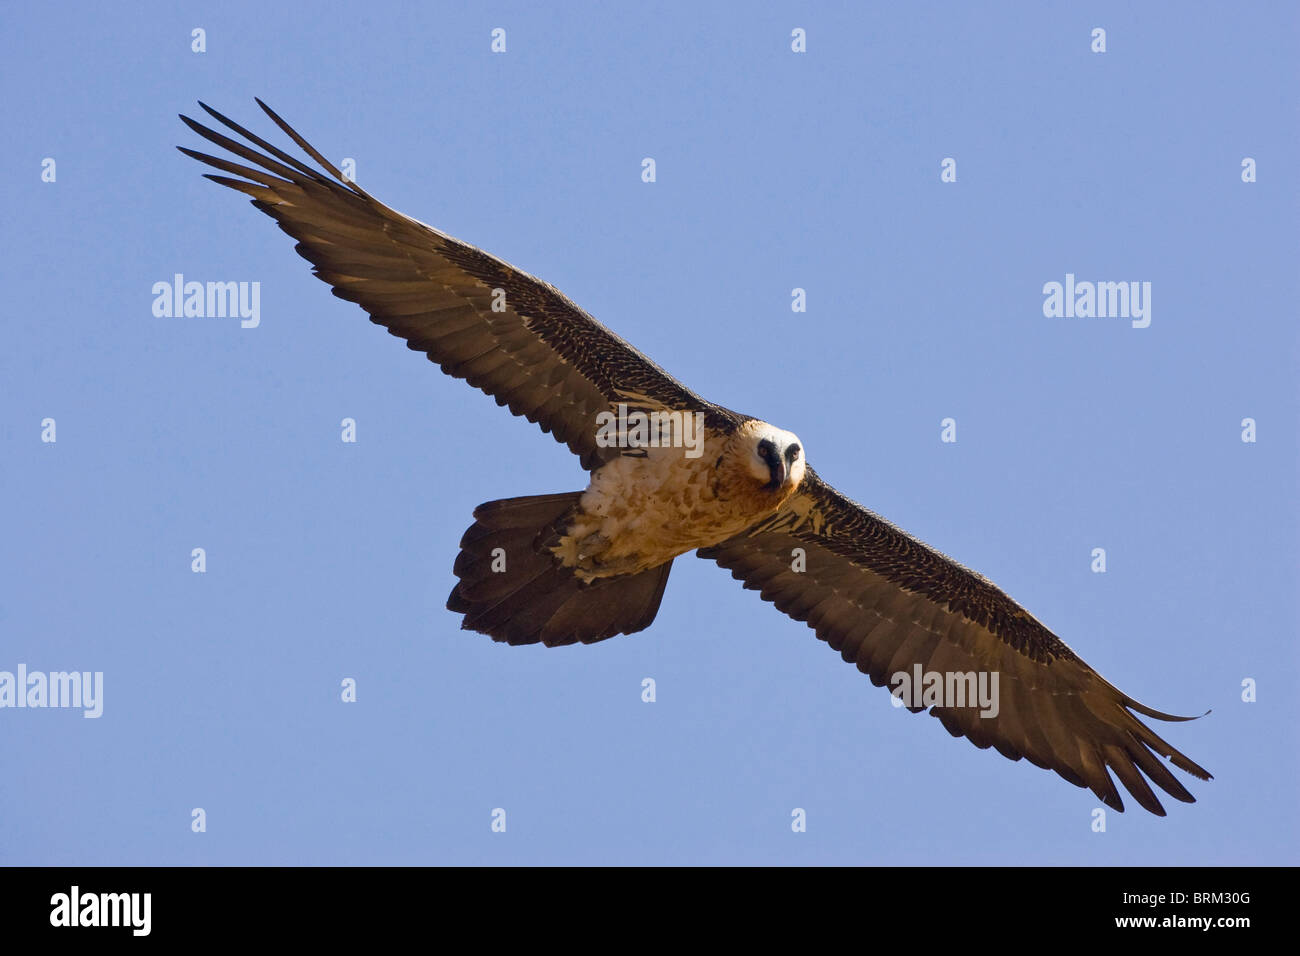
pixel 777 469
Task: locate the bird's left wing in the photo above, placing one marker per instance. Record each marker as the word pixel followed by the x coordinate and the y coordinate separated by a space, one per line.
pixel 512 335
pixel 888 602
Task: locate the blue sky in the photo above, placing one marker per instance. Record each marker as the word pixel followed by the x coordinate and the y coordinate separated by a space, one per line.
pixel 775 170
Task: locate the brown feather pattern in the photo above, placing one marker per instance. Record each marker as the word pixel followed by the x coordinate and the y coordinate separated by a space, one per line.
pixel 883 599
pixel 887 602
pixel 542 357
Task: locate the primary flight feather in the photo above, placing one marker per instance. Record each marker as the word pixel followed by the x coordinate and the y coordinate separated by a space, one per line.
pixel 587 565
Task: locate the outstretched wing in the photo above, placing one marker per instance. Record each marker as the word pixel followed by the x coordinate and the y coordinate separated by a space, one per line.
pixel 515 337
pixel 887 602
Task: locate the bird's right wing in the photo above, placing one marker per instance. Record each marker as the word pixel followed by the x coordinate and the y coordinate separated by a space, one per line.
pixel 890 603
pixel 514 336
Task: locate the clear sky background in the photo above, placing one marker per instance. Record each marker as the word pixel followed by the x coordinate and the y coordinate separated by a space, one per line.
pixel 775 170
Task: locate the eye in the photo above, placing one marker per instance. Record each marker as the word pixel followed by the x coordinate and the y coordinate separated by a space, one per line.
pixel 792 453
pixel 765 450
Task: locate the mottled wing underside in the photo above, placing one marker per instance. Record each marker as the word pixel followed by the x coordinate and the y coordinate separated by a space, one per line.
pixel 888 602
pixel 535 352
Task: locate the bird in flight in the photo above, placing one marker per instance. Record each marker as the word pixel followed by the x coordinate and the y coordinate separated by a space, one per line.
pixel 670 473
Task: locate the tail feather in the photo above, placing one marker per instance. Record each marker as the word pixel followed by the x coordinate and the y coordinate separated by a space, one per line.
pixel 513 588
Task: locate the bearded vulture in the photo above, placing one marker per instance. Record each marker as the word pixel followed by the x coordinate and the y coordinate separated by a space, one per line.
pixel 587 565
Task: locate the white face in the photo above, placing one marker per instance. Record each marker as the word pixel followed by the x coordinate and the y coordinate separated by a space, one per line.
pixel 774 454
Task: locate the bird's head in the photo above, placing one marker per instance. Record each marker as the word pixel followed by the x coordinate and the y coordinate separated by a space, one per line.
pixel 771 456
